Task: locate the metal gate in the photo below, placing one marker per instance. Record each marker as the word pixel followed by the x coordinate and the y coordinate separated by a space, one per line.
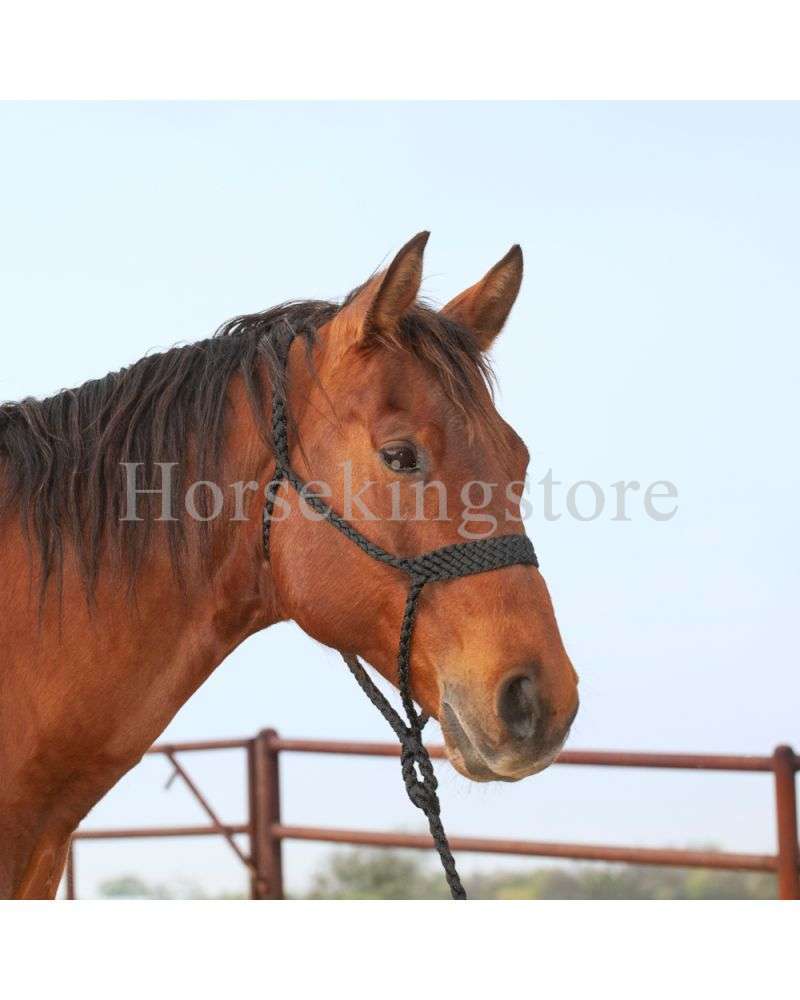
pixel 266 832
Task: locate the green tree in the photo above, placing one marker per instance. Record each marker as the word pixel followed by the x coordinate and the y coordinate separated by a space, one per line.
pixel 373 874
pixel 377 874
pixel 370 873
pixel 133 887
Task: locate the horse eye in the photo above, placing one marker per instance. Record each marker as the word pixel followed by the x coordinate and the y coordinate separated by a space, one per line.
pixel 401 457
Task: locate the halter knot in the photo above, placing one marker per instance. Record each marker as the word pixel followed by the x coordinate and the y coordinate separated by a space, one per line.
pixel 421 790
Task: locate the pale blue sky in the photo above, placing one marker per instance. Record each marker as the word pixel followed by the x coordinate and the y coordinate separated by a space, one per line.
pixel 656 337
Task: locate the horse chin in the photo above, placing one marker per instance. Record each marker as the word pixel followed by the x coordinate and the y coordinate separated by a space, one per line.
pixel 467 759
pixel 461 750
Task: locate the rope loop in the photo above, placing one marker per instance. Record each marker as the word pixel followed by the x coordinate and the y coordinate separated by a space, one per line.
pixel 418 774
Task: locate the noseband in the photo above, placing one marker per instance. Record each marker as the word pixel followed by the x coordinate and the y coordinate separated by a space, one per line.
pixel 448 563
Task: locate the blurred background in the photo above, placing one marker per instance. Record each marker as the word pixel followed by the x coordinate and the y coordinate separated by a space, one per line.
pixel 655 339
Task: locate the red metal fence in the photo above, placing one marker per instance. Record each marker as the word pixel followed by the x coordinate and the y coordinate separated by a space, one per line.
pixel 266 832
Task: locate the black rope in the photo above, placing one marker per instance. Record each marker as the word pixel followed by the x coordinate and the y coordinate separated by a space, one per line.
pixel 416 767
pixel 448 563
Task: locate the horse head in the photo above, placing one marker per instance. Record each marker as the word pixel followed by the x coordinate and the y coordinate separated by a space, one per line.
pixel 395 426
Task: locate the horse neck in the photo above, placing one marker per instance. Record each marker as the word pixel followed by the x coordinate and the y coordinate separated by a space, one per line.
pixel 107 676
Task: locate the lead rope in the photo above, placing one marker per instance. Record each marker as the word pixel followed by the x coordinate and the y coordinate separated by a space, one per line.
pixel 448 563
pixel 415 761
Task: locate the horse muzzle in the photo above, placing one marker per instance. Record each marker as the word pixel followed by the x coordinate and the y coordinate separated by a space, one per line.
pixel 523 736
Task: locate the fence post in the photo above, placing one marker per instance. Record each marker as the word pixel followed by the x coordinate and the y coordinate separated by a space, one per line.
pixel 784 764
pixel 265 812
pixel 70 870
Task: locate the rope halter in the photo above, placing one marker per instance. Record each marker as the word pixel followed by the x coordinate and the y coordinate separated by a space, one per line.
pixel 448 563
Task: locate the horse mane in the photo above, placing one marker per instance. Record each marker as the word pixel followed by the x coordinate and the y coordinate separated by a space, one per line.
pixel 61 458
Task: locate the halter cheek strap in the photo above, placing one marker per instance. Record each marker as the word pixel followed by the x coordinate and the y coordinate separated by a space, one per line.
pixel 449 563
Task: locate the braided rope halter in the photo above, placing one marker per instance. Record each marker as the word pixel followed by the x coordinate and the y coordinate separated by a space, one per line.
pixel 448 563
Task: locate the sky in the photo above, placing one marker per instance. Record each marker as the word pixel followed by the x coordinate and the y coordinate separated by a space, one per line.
pixel 655 339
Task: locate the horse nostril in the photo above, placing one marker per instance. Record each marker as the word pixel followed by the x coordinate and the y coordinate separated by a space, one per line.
pixel 518 706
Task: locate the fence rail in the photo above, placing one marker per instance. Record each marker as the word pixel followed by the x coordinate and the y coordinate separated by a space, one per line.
pixel 266 832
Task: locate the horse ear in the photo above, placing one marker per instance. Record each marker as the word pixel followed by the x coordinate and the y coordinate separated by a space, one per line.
pixel 484 307
pixel 378 305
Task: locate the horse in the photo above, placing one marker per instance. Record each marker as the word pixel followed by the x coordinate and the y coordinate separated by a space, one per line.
pixel 128 574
